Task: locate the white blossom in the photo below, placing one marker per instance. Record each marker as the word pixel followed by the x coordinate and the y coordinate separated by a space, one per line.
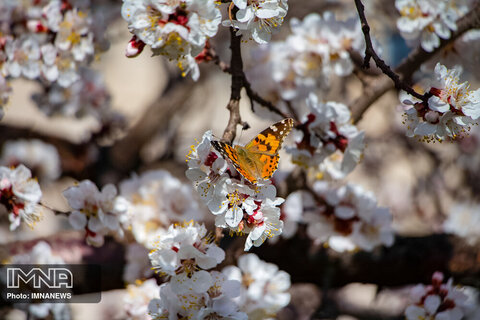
pixel 86 94
pixel 461 52
pixel 428 21
pixel 451 110
pixel 99 213
pixel 176 29
pixel 318 48
pixel 329 39
pixel 326 140
pixel 23 57
pixel 216 303
pixel 347 218
pixel 438 301
pixel 74 34
pixel 257 19
pixel 138 297
pixel 264 288
pixel 157 200
pixel 220 303
pixel 20 196
pixel 184 253
pixel 48 40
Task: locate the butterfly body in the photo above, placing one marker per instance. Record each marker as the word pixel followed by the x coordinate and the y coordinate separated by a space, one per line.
pixel 258 159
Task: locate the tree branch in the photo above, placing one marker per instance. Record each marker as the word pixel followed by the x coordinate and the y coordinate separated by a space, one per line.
pixel 409 261
pixel 236 70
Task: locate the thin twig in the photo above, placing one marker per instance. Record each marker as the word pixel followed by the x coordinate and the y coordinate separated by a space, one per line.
pixel 409 65
pixel 257 98
pixel 371 54
pixel 238 73
pixel 252 95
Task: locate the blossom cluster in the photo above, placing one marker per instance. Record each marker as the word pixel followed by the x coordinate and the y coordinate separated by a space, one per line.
pixel 427 22
pixel 99 213
pixel 326 140
pixel 176 29
pixel 19 196
pixel 258 19
pixel 345 218
pixel 436 301
pixel 318 48
pixel 264 287
pixel 145 206
pixel 137 298
pixel 451 110
pixel 462 52
pixel 184 254
pixel 86 96
pixel 157 199
pixel 239 206
pixel 40 157
pixel 47 40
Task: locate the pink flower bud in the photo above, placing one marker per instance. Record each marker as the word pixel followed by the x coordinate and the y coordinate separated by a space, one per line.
pixel 134 47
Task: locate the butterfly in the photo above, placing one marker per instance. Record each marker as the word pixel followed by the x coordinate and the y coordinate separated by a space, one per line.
pixel 258 159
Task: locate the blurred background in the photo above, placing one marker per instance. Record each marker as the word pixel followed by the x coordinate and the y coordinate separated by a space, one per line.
pixel 162 115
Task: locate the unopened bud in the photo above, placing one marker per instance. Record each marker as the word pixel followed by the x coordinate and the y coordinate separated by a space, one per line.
pixel 134 47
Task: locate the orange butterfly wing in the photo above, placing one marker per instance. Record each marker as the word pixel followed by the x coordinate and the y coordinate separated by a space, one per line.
pixel 270 165
pixel 228 152
pixel 270 140
pixel 259 158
